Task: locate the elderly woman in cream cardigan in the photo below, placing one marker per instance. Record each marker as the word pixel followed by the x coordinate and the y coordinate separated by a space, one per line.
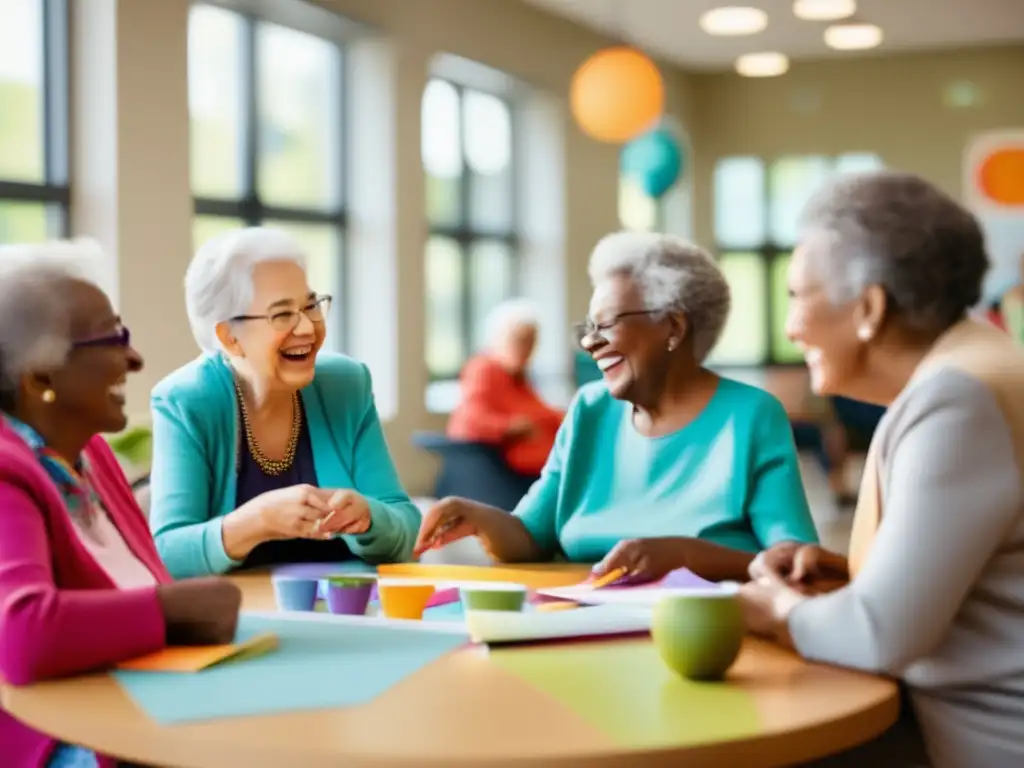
pixel 932 589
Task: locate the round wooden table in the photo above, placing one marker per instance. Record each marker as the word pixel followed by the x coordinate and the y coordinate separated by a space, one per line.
pixel 468 711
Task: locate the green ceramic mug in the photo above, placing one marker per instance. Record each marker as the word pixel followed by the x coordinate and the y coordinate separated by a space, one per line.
pixel 699 635
pixel 496 596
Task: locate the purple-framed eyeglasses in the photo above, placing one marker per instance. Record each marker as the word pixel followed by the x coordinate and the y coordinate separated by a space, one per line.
pixel 121 338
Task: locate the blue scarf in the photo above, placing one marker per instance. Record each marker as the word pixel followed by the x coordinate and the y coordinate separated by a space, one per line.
pixel 71 480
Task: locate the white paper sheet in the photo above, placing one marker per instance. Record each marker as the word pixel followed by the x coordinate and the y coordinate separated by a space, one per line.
pixel 512 627
pixel 633 596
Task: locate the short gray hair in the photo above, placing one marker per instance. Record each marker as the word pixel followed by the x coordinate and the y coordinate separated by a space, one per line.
pixel 674 276
pixel 902 233
pixel 35 317
pixel 218 282
pixel 509 314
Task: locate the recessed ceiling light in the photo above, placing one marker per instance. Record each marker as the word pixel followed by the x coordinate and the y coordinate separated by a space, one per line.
pixel 853 37
pixel 733 20
pixel 768 64
pixel 824 10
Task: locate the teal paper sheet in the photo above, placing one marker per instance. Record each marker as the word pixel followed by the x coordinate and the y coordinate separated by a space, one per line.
pixel 446 612
pixel 318 665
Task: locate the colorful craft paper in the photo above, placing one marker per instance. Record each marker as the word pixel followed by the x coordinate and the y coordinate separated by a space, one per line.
pixel 199 657
pixel 321 662
pixel 532 625
pixel 622 688
pixel 678 582
pixel 323 570
pixel 534 577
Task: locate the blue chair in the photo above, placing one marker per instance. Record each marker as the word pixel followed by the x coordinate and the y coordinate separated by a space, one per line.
pixel 475 471
pixel 859 419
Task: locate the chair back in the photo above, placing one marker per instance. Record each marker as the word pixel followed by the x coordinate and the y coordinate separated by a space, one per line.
pixel 474 471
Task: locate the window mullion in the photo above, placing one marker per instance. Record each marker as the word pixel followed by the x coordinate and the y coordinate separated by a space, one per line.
pixel 250 203
pixel 466 238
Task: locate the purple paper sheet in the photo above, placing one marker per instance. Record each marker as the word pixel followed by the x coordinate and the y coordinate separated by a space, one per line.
pixel 322 570
pixel 683 577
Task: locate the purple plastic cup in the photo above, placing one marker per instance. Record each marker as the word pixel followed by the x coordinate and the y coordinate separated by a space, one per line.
pixel 293 594
pixel 349 596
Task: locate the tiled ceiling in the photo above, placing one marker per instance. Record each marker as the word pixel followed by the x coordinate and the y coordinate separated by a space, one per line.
pixel 669 28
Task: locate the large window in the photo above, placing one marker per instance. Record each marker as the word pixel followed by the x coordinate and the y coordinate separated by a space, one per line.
pixel 471 254
pixel 756 207
pixel 266 108
pixel 33 120
pixel 638 211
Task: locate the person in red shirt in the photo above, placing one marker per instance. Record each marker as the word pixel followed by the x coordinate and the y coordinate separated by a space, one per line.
pixel 499 405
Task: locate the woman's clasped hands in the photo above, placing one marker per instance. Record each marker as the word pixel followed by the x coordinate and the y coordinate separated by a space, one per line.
pixel 784 576
pixel 308 512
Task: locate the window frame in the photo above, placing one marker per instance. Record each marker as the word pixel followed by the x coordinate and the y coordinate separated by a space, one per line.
pixel 463 233
pixel 54 191
pixel 249 207
pixel 770 253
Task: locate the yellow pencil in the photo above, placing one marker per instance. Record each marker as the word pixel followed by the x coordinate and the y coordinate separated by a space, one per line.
pixel 608 578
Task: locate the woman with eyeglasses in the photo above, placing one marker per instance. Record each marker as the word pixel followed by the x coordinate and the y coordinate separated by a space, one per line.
pixel 267 449
pixel 81 584
pixel 663 464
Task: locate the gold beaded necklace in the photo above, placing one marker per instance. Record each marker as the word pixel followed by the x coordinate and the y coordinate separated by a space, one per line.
pixel 272 467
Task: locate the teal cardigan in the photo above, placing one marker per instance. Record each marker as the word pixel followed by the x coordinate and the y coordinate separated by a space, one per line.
pixel 195 460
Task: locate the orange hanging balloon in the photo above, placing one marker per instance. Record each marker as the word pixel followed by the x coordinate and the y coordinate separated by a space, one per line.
pixel 617 94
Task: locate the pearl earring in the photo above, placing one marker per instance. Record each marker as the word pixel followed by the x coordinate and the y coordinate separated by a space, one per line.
pixel 864 333
pixel 49 396
pixel 672 344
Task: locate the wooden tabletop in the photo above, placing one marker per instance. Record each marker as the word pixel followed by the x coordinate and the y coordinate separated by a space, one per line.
pixel 467 711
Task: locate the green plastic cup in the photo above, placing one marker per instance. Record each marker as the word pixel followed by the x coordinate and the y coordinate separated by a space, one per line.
pixel 496 596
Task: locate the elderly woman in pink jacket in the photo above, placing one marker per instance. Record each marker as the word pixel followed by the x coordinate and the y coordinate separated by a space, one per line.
pixel 81 584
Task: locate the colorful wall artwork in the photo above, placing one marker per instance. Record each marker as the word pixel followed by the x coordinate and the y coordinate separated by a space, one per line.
pixel 994 191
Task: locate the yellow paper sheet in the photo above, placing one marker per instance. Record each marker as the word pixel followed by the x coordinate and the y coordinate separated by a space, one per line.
pixel 533 576
pixel 199 657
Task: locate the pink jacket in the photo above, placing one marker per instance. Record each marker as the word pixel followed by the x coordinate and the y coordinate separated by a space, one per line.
pixel 60 614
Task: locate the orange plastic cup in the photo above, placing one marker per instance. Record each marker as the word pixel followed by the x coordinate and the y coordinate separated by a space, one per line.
pixel 404 599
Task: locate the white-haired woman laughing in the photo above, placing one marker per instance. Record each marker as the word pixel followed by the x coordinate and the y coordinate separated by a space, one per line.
pixel 268 449
pixel 663 464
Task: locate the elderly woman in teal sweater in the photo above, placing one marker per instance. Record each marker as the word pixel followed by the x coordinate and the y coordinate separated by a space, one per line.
pixel 662 464
pixel 268 450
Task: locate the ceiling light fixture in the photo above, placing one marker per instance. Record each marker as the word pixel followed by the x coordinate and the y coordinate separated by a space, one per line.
pixel 732 21
pixel 824 10
pixel 769 64
pixel 853 37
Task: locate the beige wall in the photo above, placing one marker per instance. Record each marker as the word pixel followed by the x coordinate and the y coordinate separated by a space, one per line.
pixel 893 106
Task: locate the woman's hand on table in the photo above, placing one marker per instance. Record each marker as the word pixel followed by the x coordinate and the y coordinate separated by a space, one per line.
pixel 805 567
pixel 644 560
pixel 200 611
pixel 449 520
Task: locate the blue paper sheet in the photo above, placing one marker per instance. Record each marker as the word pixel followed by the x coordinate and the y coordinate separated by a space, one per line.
pixel 318 665
pixel 445 612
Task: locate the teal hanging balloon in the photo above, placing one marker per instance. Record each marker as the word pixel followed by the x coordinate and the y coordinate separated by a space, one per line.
pixel 654 160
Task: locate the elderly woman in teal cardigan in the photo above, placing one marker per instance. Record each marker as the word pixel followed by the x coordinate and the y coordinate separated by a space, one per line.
pixel 266 449
pixel 663 464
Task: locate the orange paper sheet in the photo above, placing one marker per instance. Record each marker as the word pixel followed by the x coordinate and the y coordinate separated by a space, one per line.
pixel 197 658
